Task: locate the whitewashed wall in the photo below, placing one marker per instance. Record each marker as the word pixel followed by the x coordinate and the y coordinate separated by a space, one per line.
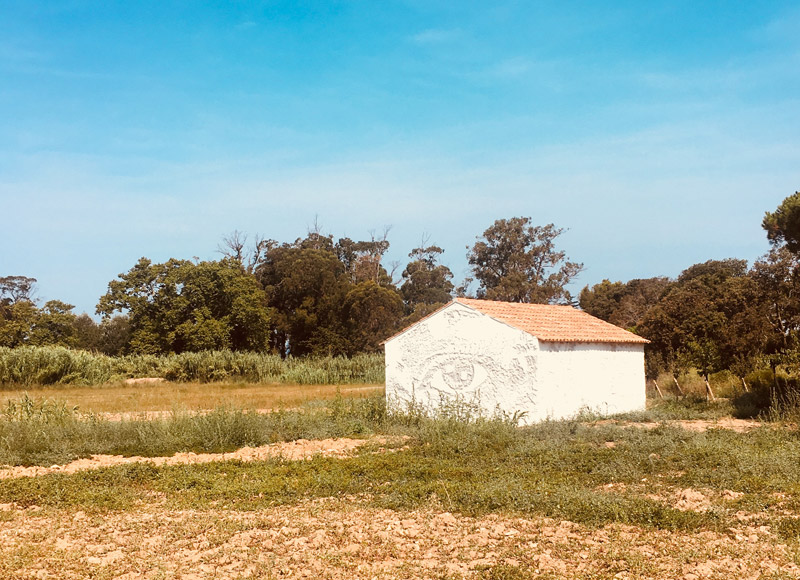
pixel 459 352
pixel 602 377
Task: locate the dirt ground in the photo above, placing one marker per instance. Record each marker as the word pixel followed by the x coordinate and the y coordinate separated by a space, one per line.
pixel 340 539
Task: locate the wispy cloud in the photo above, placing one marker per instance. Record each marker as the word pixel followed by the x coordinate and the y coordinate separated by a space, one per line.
pixel 733 78
pixel 551 76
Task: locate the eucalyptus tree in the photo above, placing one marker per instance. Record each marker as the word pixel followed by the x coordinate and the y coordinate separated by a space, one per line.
pixel 516 261
pixel 624 304
pixel 329 298
pixel 783 224
pixel 425 280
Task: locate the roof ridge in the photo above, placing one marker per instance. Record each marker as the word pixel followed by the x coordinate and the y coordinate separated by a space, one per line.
pixel 553 322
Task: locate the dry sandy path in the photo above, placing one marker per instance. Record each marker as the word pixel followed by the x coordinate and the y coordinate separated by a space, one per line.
pixel 156 415
pixel 292 450
pixel 696 425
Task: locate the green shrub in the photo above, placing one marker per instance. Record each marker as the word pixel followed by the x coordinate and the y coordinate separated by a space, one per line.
pixel 776 396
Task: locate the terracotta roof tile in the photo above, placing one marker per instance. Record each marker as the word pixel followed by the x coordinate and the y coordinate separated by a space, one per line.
pixel 553 323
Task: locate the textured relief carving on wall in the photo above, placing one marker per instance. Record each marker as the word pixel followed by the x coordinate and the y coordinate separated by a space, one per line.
pixel 480 377
pixel 461 354
pixel 453 374
pixel 453 316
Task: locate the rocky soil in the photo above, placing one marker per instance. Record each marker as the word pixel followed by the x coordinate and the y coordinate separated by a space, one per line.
pixel 341 539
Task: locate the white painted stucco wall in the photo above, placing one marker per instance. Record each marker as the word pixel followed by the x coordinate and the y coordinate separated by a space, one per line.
pixel 601 377
pixel 461 353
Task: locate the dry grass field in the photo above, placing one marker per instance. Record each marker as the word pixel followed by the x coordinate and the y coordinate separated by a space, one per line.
pixel 167 396
pixel 680 491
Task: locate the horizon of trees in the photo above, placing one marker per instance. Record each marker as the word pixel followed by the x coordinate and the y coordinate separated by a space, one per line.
pixel 323 296
pixel 313 296
pixel 719 314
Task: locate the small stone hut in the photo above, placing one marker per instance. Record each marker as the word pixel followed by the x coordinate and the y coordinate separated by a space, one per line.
pixel 543 360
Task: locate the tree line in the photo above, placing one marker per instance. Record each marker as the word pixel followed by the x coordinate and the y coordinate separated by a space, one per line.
pixel 320 296
pixel 720 314
pixel 316 295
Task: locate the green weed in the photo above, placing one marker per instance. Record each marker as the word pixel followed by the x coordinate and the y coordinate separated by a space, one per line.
pixel 43 433
pixel 471 465
pixel 463 462
pixel 683 408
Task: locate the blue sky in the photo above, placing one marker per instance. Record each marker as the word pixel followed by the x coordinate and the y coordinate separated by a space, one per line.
pixel 657 133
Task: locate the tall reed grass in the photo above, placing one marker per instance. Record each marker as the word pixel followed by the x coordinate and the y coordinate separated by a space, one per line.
pixel 26 366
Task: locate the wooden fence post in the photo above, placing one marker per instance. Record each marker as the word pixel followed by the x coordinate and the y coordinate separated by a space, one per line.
pixel 680 390
pixel 744 383
pixel 660 394
pixel 710 393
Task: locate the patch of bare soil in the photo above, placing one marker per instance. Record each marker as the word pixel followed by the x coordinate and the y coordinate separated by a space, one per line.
pixel 157 415
pixel 144 381
pixel 684 499
pixel 738 425
pixel 292 450
pixel 696 425
pixel 343 539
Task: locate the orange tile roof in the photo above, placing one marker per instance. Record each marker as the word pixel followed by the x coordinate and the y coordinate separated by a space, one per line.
pixel 552 323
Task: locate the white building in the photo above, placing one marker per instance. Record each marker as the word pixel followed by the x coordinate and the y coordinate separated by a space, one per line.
pixel 546 361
